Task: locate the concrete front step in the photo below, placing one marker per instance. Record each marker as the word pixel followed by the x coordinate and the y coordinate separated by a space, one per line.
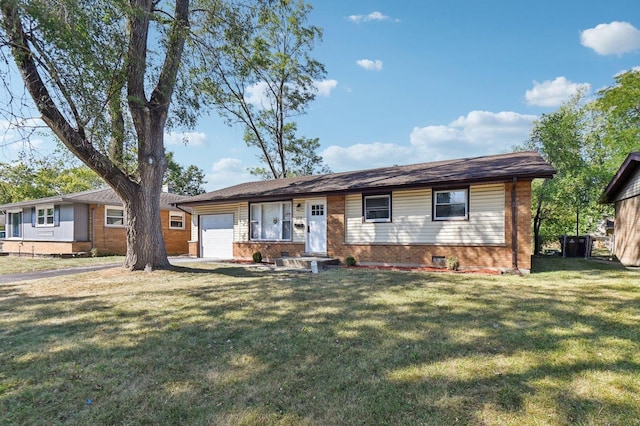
pixel 306 262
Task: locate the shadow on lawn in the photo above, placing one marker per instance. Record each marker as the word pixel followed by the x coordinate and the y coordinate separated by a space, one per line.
pixel 340 347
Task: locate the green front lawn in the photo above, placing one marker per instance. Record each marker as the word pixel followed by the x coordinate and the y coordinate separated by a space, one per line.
pixel 232 345
pixel 19 264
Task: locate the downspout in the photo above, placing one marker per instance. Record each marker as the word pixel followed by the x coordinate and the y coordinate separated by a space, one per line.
pixel 514 227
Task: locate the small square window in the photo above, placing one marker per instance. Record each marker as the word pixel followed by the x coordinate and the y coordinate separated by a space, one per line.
pixel 451 205
pixel 317 210
pixel 114 216
pixel 45 216
pixel 377 208
pixel 176 220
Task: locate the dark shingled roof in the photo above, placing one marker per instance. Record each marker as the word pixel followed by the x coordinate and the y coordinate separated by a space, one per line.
pixel 495 168
pixel 626 170
pixel 95 196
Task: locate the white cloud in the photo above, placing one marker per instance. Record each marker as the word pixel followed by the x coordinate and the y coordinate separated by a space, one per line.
pixel 477 133
pixel 373 16
pixel 185 138
pixel 370 65
pixel 325 87
pixel 615 38
pixel 227 172
pixel 258 93
pixel 365 156
pixel 553 93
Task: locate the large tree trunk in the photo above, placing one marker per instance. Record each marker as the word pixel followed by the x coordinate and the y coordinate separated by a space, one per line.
pixel 140 194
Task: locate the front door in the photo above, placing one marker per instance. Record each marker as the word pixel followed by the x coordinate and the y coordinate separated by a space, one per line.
pixel 316 226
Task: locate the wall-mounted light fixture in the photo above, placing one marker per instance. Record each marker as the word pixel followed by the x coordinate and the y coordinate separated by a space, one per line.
pixel 298 207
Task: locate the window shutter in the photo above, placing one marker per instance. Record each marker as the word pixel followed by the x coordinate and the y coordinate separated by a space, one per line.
pixel 33 217
pixel 56 215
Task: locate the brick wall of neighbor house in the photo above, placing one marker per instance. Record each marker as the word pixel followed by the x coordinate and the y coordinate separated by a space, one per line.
pixel 497 256
pixel 627 231
pixel 270 250
pixel 113 240
pixel 29 248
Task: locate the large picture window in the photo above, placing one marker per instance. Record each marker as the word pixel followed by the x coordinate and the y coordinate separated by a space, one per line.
pixel 451 204
pixel 377 208
pixel 114 216
pixel 271 221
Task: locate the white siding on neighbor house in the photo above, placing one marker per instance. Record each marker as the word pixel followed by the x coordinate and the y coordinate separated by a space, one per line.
pixel 632 188
pixel 411 212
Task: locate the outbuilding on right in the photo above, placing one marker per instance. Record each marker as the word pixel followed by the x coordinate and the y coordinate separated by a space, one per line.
pixel 624 192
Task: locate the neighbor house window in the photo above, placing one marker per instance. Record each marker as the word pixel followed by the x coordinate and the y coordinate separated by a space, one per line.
pixel 377 208
pixel 451 204
pixel 176 220
pixel 114 216
pixel 45 216
pixel 271 221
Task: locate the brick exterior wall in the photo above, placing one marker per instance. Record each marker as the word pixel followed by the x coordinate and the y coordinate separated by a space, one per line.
pixel 270 251
pixel 40 248
pixel 108 240
pixel 494 256
pixel 113 240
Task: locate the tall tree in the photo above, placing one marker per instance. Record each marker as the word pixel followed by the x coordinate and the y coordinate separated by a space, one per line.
pixel 104 86
pixel 565 204
pixel 262 75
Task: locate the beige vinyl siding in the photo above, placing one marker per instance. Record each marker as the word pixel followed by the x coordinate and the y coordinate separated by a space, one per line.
pixel 632 188
pixel 239 221
pixel 299 235
pixel 411 220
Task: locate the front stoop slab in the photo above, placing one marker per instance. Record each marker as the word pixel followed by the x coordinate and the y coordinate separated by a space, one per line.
pixel 305 262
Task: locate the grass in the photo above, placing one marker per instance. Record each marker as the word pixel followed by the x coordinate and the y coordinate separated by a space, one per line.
pixel 19 264
pixel 230 345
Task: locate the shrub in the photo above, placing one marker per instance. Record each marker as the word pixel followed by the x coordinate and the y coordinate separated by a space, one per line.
pixel 94 252
pixel 453 263
pixel 350 261
pixel 257 257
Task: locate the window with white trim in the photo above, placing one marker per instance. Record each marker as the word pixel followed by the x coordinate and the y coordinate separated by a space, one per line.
pixel 377 208
pixel 271 221
pixel 45 216
pixel 114 216
pixel 451 204
pixel 176 220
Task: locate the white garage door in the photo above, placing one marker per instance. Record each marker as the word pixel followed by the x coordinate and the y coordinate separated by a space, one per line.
pixel 216 235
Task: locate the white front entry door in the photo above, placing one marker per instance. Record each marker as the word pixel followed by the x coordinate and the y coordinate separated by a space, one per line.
pixel 216 236
pixel 316 226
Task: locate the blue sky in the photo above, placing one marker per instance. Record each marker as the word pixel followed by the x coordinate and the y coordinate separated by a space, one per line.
pixel 416 81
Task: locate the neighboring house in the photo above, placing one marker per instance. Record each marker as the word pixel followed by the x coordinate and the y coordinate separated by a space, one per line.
pixel 478 209
pixel 75 223
pixel 624 192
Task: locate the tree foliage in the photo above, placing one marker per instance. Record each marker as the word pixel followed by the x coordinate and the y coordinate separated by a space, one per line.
pixel 29 179
pixel 184 181
pixel 586 141
pixel 261 75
